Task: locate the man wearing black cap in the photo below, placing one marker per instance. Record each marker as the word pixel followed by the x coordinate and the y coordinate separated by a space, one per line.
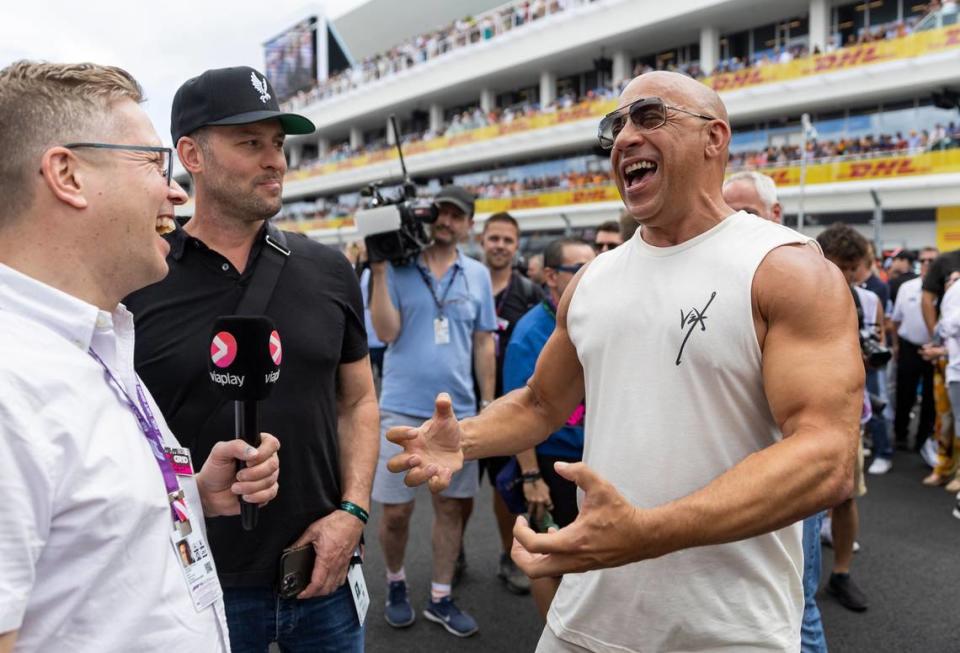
pixel 229 259
pixel 438 317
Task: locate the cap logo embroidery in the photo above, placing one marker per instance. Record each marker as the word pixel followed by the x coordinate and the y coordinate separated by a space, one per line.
pixel 261 86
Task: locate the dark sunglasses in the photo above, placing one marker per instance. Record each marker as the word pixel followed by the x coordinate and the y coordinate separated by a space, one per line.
pixel 927 260
pixel 646 114
pixel 572 269
pixel 605 247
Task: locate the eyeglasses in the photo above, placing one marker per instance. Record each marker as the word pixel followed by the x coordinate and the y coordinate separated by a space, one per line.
pixel 646 114
pixel 164 163
pixel 572 269
pixel 928 260
pixel 605 247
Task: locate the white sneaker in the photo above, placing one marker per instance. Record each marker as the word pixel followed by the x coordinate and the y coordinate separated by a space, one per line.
pixel 826 534
pixel 880 466
pixel 929 452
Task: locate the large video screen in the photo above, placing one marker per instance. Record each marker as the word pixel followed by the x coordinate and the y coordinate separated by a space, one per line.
pixel 291 59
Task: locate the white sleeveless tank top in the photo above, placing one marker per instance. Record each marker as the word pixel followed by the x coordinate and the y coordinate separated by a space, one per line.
pixel 675 398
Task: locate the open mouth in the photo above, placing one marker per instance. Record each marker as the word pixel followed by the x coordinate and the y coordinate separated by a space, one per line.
pixel 165 225
pixel 639 171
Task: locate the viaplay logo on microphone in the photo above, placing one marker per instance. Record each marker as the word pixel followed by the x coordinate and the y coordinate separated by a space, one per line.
pixel 223 351
pixel 245 355
pixel 276 350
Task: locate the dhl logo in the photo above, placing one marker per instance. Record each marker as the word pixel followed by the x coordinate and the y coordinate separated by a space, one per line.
pixel 525 202
pixel 849 58
pixel 592 195
pixel 886 168
pixel 415 148
pixel 731 81
pixel 458 139
pixel 951 39
pixel 513 127
pixel 577 113
pixel 782 177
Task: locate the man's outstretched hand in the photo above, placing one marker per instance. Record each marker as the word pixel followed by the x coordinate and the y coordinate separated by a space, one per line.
pixel 431 452
pixel 606 532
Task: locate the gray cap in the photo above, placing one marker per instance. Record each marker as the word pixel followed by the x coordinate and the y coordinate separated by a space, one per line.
pixel 459 196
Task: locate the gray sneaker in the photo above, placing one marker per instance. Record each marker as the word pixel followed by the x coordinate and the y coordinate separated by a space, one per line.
pixel 517 581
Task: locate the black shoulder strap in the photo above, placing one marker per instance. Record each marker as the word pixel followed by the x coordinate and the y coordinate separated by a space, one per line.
pixel 530 294
pixel 257 294
pixel 253 301
pixel 856 302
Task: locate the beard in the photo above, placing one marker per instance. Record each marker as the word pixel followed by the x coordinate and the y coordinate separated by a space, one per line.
pixel 240 200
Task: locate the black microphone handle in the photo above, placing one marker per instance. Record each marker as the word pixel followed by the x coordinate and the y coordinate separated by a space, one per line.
pixel 247 427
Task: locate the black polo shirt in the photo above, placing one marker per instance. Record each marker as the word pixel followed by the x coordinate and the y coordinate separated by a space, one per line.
pixel 318 311
pixel 512 303
pixel 935 281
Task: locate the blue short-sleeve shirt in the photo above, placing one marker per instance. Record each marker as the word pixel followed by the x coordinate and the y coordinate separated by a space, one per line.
pixel 415 367
pixel 528 339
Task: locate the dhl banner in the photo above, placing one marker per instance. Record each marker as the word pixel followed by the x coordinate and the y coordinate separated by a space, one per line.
pixel 909 165
pixel 948 228
pixel 913 45
pixel 544 200
pixel 889 167
pixel 581 111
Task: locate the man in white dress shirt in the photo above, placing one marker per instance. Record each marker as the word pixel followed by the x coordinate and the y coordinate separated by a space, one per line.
pixel 96 496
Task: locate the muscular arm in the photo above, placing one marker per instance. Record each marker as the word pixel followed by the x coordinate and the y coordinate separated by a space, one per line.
pixel 383 314
pixel 7 640
pixel 813 378
pixel 358 427
pixel 927 305
pixel 485 363
pixel 527 416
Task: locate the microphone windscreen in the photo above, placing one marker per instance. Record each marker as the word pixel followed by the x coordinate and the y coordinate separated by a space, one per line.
pixel 245 356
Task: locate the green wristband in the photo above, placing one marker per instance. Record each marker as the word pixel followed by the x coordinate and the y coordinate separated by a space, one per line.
pixel 355 510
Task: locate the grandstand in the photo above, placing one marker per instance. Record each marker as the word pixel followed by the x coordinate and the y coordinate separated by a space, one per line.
pixel 507 101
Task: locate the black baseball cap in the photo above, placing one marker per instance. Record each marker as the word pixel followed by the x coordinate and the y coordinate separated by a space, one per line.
pixel 459 196
pixel 229 96
pixel 906 254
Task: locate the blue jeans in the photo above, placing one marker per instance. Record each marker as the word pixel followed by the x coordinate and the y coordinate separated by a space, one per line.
pixel 879 424
pixel 257 616
pixel 812 639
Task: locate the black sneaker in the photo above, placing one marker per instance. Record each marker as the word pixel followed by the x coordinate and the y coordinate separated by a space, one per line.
pixel 848 594
pixel 459 567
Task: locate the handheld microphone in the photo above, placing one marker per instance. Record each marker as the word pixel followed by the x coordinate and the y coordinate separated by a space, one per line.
pixel 245 355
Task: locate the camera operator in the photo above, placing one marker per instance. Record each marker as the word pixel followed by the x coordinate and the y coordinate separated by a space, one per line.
pixel 437 316
pixel 846 248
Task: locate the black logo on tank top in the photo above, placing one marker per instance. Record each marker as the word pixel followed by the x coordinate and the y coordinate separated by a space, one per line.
pixel 689 321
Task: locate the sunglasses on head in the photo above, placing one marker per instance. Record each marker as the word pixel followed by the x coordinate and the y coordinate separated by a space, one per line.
pixel 646 114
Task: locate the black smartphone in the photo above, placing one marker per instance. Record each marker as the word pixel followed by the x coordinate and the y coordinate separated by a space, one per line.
pixel 296 568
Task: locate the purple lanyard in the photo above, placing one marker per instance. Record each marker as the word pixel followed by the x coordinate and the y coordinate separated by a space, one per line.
pixel 150 429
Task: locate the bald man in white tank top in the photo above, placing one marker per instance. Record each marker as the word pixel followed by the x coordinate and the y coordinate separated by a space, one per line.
pixel 718 357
